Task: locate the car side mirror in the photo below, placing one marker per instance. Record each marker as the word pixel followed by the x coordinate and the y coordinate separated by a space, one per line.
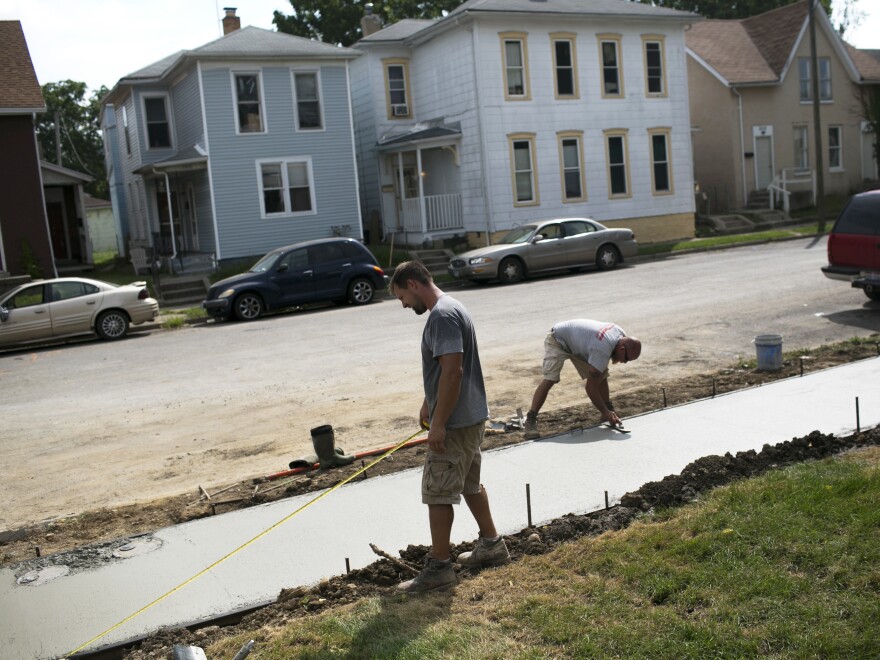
pixel 538 237
pixel 4 314
pixel 282 267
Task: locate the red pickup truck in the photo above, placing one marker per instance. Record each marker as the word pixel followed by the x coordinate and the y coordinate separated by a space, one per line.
pixel 854 244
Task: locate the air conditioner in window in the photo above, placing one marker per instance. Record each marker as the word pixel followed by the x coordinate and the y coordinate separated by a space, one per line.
pixel 399 111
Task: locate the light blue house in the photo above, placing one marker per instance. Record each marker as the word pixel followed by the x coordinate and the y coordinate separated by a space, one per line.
pixel 234 148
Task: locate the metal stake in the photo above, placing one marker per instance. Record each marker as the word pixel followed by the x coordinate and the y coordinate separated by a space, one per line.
pixel 38 551
pixel 606 501
pixel 365 472
pixel 858 424
pixel 802 366
pixel 529 504
pixel 664 396
pixel 713 388
pixel 347 566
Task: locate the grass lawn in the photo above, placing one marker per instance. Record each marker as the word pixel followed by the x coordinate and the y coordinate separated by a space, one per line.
pixel 783 565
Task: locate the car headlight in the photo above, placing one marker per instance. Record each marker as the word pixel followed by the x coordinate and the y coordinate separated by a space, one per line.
pixel 227 293
pixel 480 260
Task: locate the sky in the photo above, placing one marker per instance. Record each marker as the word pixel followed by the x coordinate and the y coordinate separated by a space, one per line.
pixel 100 41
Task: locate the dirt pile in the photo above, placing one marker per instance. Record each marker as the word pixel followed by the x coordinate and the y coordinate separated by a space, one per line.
pixel 380 578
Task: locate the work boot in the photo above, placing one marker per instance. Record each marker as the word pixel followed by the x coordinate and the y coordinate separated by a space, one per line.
pixel 532 426
pixel 324 442
pixel 486 552
pixel 435 576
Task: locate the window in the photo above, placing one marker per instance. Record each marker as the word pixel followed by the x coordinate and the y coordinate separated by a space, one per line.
pixel 835 147
pixel 397 88
pixel 616 157
pixel 609 56
pixel 126 131
pixel 661 173
pixel 655 83
pixel 514 52
pixel 410 181
pixel 31 296
pixel 69 290
pixel 571 161
pixel 158 126
pixel 565 65
pixel 307 90
pixel 286 186
pixel 296 259
pixel 247 97
pixel 806 81
pixel 578 227
pixel 801 148
pixel 522 150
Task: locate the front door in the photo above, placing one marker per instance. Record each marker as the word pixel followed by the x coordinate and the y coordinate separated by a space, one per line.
pixel 171 241
pixel 763 161
pixel 293 280
pixel 29 316
pixel 548 252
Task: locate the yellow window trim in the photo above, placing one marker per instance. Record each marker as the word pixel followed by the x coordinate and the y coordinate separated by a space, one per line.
pixel 667 132
pixel 404 62
pixel 579 136
pixel 618 40
pixel 572 38
pixel 522 37
pixel 530 138
pixel 652 38
pixel 622 133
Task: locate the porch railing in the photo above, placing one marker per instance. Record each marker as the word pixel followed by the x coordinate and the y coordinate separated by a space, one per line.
pixel 442 213
pixel 781 184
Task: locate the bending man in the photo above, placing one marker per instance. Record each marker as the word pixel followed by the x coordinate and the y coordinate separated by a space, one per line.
pixel 590 345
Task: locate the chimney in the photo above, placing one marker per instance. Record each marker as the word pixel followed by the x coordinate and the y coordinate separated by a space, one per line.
pixel 231 22
pixel 370 23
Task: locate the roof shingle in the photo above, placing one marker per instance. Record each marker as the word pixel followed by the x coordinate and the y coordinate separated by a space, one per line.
pixel 19 87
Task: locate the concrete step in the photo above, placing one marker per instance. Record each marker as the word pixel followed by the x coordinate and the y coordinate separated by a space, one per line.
pixel 436 261
pixel 175 291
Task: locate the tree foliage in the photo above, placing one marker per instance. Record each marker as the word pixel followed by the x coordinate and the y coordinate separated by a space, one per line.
pixel 339 21
pixel 731 8
pixel 82 146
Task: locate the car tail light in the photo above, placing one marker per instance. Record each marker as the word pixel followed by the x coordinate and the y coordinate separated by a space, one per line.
pixel 143 294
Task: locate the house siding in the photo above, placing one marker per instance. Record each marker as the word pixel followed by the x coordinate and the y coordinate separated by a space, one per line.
pixel 187 110
pixel 233 161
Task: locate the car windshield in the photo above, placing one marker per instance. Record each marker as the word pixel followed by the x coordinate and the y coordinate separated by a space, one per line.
pixel 265 263
pixel 519 235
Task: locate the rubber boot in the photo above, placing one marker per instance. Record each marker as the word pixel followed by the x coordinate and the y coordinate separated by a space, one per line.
pixel 324 442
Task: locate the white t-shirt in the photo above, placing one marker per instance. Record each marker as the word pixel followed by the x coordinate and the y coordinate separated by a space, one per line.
pixel 592 341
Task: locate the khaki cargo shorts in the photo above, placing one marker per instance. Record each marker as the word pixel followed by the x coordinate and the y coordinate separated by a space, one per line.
pixel 554 359
pixel 455 472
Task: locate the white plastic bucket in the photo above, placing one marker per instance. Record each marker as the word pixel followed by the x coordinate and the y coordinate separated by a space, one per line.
pixel 769 350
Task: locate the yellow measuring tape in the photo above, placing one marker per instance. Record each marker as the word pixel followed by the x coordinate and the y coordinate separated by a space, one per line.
pixel 246 544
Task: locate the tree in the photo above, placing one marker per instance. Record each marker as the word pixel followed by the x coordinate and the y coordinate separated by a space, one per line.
pixel 82 147
pixel 339 21
pixel 732 8
pixel 869 99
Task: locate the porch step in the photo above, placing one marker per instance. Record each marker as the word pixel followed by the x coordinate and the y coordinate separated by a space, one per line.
pixel 732 223
pixel 436 261
pixel 189 290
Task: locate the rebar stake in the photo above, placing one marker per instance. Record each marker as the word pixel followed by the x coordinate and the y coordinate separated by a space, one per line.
pixel 38 551
pixel 347 566
pixel 664 396
pixel 713 388
pixel 802 366
pixel 606 501
pixel 858 424
pixel 529 504
pixel 365 472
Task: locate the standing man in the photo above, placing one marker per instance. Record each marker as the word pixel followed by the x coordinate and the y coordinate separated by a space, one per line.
pixel 589 345
pixel 456 409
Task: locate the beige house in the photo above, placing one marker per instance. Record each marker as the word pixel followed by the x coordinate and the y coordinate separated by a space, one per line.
pixel 752 111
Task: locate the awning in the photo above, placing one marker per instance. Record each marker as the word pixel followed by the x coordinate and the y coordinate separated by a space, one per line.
pixel 183 161
pixel 425 137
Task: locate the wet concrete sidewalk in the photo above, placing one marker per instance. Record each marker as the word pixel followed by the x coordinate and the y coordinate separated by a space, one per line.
pixel 51 616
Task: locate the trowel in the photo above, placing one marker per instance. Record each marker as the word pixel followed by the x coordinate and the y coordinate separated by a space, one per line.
pixel 619 428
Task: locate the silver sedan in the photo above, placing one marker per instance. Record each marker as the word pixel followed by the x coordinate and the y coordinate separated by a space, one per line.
pixel 45 310
pixel 562 244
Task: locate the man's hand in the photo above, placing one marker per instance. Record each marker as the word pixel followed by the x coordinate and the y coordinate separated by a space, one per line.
pixel 437 439
pixel 612 418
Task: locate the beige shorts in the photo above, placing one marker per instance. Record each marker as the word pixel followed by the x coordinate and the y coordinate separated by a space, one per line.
pixel 554 359
pixel 455 472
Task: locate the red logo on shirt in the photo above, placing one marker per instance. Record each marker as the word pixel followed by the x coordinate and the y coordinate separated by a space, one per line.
pixel 601 334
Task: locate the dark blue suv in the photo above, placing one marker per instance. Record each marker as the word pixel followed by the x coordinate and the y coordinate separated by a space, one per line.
pixel 336 269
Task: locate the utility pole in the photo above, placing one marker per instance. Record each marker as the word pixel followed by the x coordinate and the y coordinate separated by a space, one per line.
pixel 817 122
pixel 58 138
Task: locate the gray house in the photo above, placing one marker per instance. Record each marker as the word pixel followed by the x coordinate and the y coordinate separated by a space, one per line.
pixel 234 148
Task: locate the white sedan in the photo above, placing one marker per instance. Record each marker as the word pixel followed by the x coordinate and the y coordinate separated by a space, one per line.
pixel 45 310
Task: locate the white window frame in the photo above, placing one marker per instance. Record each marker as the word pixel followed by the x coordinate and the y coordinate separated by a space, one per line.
pixel 529 138
pixel 615 133
pixel 616 40
pixel 235 73
pixel 578 137
pixel 805 80
pixel 398 110
pixel 285 186
pixel 801 134
pixel 522 39
pixel 838 149
pixel 570 39
pixel 660 41
pixel 667 163
pixel 166 100
pixel 319 91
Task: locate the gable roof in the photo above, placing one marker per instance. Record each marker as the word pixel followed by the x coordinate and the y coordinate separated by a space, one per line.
pixel 867 62
pixel 758 50
pixel 19 88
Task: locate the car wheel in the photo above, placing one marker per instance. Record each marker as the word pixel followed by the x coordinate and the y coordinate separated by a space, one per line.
pixel 112 324
pixel 510 270
pixel 360 291
pixel 248 307
pixel 873 294
pixel 607 257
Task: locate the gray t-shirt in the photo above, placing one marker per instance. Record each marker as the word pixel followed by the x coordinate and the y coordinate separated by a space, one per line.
pixel 449 329
pixel 592 341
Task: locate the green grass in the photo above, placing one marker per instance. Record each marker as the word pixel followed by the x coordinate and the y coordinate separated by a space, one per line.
pixel 785 565
pixel 729 240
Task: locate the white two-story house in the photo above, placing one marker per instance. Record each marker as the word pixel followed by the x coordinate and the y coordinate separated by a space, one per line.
pixel 506 111
pixel 234 148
